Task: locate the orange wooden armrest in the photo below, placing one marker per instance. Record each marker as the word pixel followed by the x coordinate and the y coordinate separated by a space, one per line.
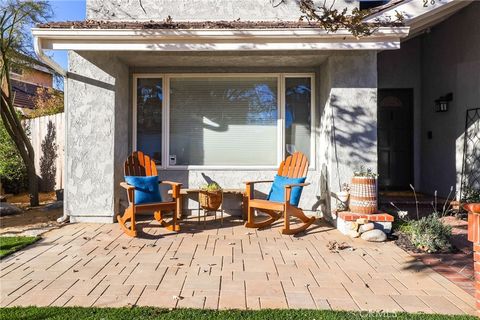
pixel 170 183
pixel 126 186
pixel 297 185
pixel 260 181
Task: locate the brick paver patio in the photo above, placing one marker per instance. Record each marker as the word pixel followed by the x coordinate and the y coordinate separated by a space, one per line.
pixel 229 266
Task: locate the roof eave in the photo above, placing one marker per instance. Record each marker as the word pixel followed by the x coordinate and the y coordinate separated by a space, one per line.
pixel 215 39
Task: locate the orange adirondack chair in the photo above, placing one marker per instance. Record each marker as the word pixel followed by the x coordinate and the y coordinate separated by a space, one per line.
pixel 295 166
pixel 139 164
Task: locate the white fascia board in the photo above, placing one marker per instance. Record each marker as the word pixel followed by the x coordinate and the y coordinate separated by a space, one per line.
pixel 215 40
pixel 414 11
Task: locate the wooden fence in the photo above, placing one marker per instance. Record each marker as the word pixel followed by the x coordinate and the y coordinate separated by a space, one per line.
pixel 47 135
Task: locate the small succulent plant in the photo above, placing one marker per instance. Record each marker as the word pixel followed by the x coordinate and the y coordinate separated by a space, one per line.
pixel 213 186
pixel 365 172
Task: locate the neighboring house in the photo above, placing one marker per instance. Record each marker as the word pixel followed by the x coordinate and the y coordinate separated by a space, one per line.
pixel 26 81
pixel 227 100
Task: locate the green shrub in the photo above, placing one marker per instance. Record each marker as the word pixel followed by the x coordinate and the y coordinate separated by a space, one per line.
pixel 429 233
pixel 13 173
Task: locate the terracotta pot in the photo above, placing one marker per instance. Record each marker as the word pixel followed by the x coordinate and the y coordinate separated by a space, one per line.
pixel 363 195
pixel 472 207
pixel 210 200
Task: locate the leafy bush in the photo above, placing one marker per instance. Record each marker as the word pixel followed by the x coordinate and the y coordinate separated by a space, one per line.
pixel 429 233
pixel 13 173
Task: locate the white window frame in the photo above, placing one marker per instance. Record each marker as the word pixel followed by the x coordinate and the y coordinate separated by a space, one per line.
pixel 165 77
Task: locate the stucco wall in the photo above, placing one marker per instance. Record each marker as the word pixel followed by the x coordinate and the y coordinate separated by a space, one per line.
pixel 96 114
pixel 445 59
pixel 348 129
pixel 450 63
pixel 99 135
pixel 192 10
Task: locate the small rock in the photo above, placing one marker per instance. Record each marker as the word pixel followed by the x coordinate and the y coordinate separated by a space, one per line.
pixel 177 298
pixel 7 209
pixel 353 234
pixel 375 235
pixel 366 227
pixel 231 243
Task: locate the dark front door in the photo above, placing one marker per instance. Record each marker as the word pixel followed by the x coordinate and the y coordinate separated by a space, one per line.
pixel 395 126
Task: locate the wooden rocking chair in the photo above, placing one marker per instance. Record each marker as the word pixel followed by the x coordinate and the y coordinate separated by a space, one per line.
pixel 139 164
pixel 295 166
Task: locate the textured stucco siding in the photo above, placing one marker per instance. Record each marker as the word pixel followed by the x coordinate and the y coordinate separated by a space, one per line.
pixel 197 10
pixel 348 128
pixel 97 106
pixel 445 59
pixel 99 136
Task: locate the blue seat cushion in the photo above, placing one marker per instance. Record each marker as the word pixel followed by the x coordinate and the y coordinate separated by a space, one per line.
pixel 277 192
pixel 146 189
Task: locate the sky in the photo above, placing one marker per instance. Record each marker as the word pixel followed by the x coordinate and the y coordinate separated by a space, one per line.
pixel 66 10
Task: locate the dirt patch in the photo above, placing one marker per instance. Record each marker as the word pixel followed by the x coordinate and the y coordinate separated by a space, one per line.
pixel 22 200
pixel 32 220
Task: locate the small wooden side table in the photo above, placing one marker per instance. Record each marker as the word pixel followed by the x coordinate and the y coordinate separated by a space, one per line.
pixel 187 191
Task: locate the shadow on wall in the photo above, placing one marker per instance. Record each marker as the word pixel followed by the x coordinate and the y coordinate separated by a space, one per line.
pixel 48 168
pixel 350 136
pixel 354 133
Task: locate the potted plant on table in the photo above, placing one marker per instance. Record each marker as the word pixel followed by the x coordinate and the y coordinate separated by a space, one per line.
pixel 210 196
pixel 363 192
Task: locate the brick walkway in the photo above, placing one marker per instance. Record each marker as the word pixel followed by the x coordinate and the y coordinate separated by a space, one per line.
pixel 222 267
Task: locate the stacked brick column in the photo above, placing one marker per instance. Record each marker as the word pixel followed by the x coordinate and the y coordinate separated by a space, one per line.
pixel 474 236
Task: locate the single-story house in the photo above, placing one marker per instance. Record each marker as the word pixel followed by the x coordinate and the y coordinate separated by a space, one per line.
pixel 222 90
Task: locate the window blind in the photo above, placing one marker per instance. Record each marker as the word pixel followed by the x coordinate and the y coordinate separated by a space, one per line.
pixel 223 121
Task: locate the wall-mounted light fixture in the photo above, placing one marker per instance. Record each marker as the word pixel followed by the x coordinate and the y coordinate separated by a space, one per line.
pixel 441 104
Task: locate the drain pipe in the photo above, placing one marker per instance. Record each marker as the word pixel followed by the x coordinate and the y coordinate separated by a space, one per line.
pixel 37 45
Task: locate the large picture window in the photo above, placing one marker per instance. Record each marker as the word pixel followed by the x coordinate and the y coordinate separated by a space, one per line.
pixel 223 120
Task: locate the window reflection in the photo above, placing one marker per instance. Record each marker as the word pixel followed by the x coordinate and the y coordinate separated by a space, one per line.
pixel 297 115
pixel 149 117
pixel 223 120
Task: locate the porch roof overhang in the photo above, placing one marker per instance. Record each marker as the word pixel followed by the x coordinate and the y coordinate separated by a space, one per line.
pixel 214 39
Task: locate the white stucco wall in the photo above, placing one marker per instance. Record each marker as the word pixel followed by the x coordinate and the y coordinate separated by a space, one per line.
pixel 445 59
pixel 348 128
pixel 96 138
pixel 197 10
pixel 99 135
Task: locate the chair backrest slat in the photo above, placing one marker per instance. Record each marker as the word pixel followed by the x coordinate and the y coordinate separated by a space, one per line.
pixel 140 164
pixel 294 166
